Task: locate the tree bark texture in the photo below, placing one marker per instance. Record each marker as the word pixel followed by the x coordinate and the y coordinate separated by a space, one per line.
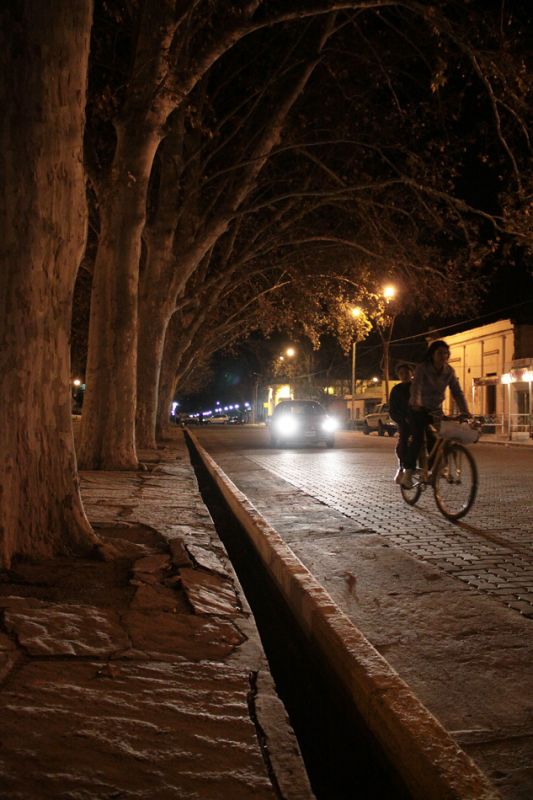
pixel 176 328
pixel 156 301
pixel 154 319
pixel 44 50
pixel 179 356
pixel 108 421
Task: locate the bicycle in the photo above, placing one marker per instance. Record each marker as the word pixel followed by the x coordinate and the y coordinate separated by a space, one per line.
pixel 453 472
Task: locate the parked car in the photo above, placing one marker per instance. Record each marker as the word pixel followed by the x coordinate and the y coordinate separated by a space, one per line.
pixel 218 419
pixel 297 421
pixel 379 421
pixel 184 419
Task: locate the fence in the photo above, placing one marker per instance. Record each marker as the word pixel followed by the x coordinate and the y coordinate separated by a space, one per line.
pixel 518 426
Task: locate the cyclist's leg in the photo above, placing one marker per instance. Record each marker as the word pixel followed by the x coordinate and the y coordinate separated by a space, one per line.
pixel 418 421
pixel 401 447
pixel 431 440
pixel 404 432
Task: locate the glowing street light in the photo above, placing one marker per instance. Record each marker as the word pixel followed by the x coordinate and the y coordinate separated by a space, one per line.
pixel 389 292
pixel 290 352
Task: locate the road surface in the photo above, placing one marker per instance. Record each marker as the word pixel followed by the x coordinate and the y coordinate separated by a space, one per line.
pixel 450 606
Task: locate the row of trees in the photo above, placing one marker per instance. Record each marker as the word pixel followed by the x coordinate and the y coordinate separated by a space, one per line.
pixel 238 166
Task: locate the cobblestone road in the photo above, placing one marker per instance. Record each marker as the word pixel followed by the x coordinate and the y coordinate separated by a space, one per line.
pixel 491 551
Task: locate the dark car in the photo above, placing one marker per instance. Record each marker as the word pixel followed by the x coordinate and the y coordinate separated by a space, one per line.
pixel 297 421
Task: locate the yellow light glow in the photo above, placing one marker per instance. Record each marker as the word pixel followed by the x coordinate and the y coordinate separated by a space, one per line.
pixel 389 292
pixel 77 382
pixel 507 378
pixel 283 392
pixel 290 352
pixel 356 311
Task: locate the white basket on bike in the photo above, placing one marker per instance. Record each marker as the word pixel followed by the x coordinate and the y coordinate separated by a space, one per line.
pixel 459 431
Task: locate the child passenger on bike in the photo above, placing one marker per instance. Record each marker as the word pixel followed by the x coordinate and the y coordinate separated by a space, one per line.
pixel 399 412
pixel 432 377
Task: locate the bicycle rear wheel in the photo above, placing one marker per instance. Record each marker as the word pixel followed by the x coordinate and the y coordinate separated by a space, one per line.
pixel 455 481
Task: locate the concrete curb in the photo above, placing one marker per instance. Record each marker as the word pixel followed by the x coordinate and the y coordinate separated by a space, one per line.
pixel 505 443
pixel 429 760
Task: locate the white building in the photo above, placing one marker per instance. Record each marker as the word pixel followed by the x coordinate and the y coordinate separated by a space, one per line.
pixel 494 364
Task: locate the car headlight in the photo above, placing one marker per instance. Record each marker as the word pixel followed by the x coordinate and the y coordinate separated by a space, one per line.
pixel 330 424
pixel 286 426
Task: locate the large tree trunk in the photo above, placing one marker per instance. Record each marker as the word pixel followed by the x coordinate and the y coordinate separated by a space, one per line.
pixel 154 321
pixel 44 56
pixel 181 332
pixel 156 303
pixel 167 375
pixel 108 421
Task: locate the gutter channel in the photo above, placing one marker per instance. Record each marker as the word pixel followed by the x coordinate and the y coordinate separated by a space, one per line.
pixel 342 757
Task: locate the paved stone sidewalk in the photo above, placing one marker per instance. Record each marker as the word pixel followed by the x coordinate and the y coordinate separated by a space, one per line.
pixel 141 677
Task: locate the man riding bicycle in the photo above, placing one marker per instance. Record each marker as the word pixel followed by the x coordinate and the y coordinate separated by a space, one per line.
pixel 428 388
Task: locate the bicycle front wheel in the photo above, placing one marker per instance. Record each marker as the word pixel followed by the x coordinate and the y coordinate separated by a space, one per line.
pixel 412 495
pixel 455 481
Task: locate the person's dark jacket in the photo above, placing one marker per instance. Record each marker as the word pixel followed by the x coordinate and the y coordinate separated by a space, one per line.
pixel 399 402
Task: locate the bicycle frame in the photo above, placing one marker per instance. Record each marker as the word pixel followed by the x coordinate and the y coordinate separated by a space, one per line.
pixel 452 475
pixel 425 458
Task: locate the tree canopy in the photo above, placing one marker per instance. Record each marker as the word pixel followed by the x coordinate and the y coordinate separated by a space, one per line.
pixel 250 166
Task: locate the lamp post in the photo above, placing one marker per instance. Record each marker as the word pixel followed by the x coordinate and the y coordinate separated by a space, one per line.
pixel 356 312
pixel 256 397
pixel 389 293
pixel 287 355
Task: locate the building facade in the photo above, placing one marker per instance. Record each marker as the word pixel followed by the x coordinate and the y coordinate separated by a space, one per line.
pixel 494 364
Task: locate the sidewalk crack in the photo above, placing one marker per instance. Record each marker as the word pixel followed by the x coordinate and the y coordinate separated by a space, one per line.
pixel 261 735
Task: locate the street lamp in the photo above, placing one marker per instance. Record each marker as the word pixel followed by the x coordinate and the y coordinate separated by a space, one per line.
pixel 356 312
pixel 290 352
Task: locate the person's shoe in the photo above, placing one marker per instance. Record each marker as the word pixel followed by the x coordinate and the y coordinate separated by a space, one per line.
pixel 399 475
pixel 407 479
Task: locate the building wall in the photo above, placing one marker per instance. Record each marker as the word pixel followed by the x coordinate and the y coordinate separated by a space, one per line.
pixel 484 352
pixel 523 342
pixel 490 352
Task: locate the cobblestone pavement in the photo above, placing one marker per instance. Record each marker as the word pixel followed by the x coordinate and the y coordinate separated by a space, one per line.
pixel 491 551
